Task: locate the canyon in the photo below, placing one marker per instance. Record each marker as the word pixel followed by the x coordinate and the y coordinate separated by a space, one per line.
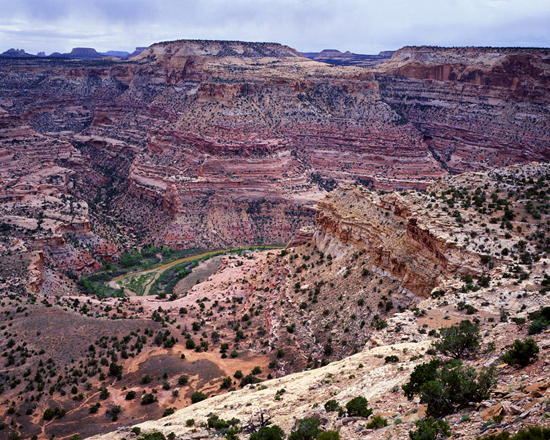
pixel 386 183
pixel 217 144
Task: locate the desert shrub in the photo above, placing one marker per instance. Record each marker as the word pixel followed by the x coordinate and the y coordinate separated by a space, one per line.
pixel 331 405
pixel 358 406
pixel 226 383
pixel 104 393
pixel 272 432
pixel 189 422
pixel 391 359
pixel 250 379
pixel 232 433
pixel 153 436
pixel 421 374
pixel 533 433
pixel 308 429
pixel 530 433
pixel 329 435
pixel 147 399
pixel 197 396
pixel 540 320
pixel 450 388
pixel 522 353
pixel 131 395
pixel 168 412
pixel 115 370
pixel 146 379
pixel 536 327
pixel 377 422
pixel 459 341
pixel 430 429
pixel 49 414
pixel 183 380
pixel 215 422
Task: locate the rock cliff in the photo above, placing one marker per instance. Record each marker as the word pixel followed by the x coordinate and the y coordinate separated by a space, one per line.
pixel 209 143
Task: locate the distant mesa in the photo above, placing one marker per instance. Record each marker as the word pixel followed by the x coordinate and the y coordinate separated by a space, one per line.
pixel 89 53
pixel 16 53
pixel 180 49
pixel 81 53
pixel 335 57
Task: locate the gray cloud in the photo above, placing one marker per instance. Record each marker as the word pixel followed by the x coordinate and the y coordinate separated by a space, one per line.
pixel 364 26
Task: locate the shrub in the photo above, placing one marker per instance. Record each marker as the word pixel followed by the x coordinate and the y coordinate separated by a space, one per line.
pixel 377 422
pixel 131 395
pixel 50 413
pixel 104 393
pixel 358 406
pixel 147 399
pixel 331 405
pixel 183 380
pixel 522 353
pixel 308 429
pixel 391 359
pixel 533 433
pixel 249 379
pixel 146 379
pixel 189 422
pixel 541 320
pixel 238 374
pixel 168 412
pixel 450 388
pixel 459 341
pixel 329 435
pixel 197 396
pixel 272 432
pixel 115 370
pixel 430 429
pixel 530 433
pixel 536 327
pixel 153 436
pixel 421 374
pixel 226 383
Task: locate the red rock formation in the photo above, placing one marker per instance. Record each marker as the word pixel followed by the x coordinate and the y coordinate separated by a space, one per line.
pixel 197 143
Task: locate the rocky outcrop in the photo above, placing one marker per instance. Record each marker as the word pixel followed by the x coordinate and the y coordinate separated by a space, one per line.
pixel 389 232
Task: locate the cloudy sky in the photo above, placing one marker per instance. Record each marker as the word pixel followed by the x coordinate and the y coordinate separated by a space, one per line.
pixel 362 26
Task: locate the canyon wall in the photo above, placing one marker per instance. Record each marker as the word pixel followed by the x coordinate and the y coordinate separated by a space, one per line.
pixel 210 144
